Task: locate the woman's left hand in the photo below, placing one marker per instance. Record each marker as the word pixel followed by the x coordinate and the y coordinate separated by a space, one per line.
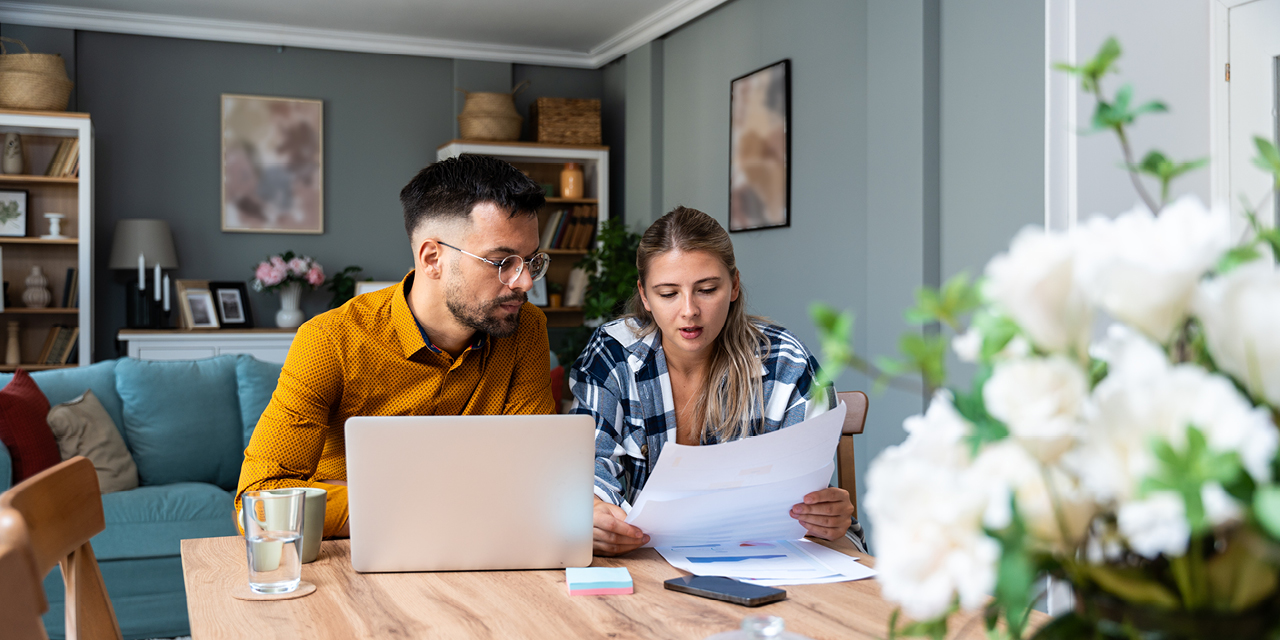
pixel 825 514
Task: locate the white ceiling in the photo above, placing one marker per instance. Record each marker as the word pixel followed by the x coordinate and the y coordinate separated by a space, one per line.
pixel 577 33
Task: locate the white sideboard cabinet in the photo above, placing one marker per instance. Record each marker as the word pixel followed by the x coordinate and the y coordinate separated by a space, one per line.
pixel 267 345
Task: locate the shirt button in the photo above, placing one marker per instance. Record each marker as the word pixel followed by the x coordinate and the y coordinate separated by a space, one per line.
pixel 644 450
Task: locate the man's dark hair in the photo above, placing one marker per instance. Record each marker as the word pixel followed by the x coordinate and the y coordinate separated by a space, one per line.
pixel 451 188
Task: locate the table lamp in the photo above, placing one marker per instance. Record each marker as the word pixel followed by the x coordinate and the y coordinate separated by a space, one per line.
pixel 141 245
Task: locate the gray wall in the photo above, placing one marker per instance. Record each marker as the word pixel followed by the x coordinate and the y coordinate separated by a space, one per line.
pixel 155 107
pixel 917 151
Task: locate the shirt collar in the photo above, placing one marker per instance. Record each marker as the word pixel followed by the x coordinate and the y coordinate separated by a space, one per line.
pixel 412 336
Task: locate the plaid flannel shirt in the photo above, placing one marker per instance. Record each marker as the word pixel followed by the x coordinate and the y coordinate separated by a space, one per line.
pixel 621 380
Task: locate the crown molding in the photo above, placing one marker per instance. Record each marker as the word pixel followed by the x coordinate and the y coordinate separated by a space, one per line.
pixel 150 24
pixel 670 17
pixel 659 23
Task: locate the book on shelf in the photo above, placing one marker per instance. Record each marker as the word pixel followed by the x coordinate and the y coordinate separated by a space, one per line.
pixel 69 288
pixel 61 351
pixel 58 156
pixel 549 230
pixel 72 159
pixel 48 344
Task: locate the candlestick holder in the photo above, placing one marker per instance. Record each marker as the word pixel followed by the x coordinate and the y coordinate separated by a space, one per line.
pixel 142 310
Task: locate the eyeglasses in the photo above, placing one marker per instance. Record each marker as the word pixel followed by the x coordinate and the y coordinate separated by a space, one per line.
pixel 512 266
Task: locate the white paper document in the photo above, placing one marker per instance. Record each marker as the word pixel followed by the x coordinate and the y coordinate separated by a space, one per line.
pixel 778 563
pixel 737 491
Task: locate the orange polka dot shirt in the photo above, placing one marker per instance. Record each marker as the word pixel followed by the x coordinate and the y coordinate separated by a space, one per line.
pixel 368 358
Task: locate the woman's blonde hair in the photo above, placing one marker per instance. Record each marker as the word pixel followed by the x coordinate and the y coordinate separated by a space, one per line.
pixel 733 390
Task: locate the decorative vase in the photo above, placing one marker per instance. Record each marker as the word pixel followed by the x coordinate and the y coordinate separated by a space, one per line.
pixel 290 313
pixel 1102 615
pixel 37 295
pixel 12 162
pixel 571 180
pixel 12 352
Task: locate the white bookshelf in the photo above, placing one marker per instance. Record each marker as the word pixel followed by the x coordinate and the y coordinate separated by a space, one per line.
pixel 73 197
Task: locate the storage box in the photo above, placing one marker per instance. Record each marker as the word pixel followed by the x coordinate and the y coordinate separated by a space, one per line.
pixel 565 121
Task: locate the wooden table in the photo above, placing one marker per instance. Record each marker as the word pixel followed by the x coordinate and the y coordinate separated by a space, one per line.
pixel 506 604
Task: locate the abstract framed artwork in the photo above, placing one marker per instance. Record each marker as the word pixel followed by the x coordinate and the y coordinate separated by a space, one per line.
pixel 272 165
pixel 760 149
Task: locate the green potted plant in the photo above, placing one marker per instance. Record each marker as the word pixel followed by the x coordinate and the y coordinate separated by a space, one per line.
pixel 612 275
pixel 343 286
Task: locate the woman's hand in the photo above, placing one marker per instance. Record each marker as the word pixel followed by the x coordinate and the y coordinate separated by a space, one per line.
pixel 825 514
pixel 611 535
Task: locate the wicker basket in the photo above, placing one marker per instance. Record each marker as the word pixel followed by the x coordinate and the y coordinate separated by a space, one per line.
pixel 566 121
pixel 490 116
pixel 33 81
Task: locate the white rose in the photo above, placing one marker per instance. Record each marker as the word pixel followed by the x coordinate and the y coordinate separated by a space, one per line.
pixel 1155 525
pixel 1239 312
pixel 1144 397
pixel 1040 400
pixel 1034 283
pixel 968 345
pixel 1010 471
pixel 1219 507
pixel 928 508
pixel 1143 269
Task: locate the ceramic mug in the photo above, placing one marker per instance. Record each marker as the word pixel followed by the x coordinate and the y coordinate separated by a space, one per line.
pixel 312 521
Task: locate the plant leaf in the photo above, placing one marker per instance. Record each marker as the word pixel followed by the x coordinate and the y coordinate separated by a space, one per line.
pixel 1132 585
pixel 1266 507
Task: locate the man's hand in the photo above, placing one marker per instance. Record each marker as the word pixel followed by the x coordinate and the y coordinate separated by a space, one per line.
pixel 825 514
pixel 611 535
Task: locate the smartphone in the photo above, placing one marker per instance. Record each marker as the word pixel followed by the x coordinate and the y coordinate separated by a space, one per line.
pixel 727 589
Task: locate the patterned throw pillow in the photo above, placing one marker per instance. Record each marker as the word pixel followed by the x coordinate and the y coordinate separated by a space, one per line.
pixel 23 429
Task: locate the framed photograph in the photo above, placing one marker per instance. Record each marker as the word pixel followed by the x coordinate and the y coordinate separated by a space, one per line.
pixel 13 212
pixel 181 287
pixel 272 165
pixel 538 294
pixel 369 286
pixel 197 304
pixel 760 149
pixel 232 300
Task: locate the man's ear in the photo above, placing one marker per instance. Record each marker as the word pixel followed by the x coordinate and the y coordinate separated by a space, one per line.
pixel 643 298
pixel 429 258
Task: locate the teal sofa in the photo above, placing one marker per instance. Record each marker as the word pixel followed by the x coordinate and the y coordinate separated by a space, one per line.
pixel 186 424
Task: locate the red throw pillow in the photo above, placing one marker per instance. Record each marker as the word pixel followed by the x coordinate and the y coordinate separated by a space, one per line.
pixel 23 427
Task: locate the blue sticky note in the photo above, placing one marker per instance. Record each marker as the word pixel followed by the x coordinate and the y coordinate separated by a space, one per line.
pixel 598 581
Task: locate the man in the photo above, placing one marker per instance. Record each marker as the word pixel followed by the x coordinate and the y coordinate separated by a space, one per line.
pixel 455 337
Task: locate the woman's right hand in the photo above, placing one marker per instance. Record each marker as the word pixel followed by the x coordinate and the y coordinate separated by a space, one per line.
pixel 611 535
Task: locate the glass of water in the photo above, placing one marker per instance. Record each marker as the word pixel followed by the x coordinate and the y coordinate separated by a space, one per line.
pixel 273 539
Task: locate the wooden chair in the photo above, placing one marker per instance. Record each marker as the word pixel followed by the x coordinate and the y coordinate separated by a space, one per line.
pixel 62 509
pixel 22 600
pixel 854 420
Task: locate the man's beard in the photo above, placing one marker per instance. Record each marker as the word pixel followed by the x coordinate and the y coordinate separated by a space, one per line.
pixel 480 316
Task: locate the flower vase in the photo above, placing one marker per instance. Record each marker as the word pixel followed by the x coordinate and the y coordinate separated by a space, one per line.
pixel 290 314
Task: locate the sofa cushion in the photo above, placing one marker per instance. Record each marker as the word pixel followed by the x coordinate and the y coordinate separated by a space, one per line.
pixel 61 385
pixel 182 420
pixel 257 381
pixel 23 429
pixel 83 428
pixel 150 522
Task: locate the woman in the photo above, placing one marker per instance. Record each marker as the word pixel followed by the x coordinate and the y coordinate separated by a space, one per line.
pixel 687 337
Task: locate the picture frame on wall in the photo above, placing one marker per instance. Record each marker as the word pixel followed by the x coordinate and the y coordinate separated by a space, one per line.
pixel 272 164
pixel 197 304
pixel 232 301
pixel 13 213
pixel 760 148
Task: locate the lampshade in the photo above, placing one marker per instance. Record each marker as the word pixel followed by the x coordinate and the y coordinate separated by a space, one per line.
pixel 150 238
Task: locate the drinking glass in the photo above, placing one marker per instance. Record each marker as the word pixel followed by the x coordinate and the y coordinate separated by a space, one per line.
pixel 273 539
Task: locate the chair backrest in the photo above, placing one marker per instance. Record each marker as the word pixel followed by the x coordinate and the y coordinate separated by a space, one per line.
pixel 62 509
pixel 22 600
pixel 855 418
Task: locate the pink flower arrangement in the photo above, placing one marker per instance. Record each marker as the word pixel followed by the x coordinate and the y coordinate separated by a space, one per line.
pixel 280 270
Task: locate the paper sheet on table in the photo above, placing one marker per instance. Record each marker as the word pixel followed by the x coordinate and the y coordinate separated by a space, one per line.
pixel 778 563
pixel 737 491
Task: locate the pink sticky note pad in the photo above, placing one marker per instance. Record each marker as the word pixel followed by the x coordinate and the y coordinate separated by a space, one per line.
pixel 598 581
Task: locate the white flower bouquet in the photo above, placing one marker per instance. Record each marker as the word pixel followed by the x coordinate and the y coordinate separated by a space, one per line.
pixel 1120 430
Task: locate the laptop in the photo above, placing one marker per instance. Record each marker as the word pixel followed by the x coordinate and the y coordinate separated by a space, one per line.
pixel 466 493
